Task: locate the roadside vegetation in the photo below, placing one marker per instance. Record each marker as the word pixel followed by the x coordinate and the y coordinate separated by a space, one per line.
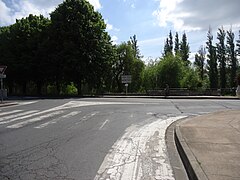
pixel 71 53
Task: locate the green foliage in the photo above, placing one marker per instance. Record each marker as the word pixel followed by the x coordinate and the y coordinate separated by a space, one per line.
pixel 231 57
pixel 184 50
pixel 169 71
pixel 200 62
pixel 190 79
pixel 221 55
pixel 212 61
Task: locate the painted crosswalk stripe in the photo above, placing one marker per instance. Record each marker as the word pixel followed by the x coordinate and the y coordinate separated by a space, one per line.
pixel 3 119
pixel 10 112
pixel 40 118
pixel 71 114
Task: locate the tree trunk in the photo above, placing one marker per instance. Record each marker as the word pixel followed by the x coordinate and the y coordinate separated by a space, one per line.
pixel 79 88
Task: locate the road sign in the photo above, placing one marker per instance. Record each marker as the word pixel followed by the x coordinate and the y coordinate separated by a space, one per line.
pixel 2 76
pixel 126 79
pixel 2 69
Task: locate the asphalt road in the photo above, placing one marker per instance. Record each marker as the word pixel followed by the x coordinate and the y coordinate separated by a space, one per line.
pixel 77 138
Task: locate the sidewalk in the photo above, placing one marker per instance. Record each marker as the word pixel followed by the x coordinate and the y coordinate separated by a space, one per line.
pixel 209 145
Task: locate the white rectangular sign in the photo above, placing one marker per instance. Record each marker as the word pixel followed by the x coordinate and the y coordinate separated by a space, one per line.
pixel 126 79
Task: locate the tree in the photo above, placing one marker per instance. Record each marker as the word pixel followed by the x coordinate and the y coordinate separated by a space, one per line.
pixel 79 45
pixel 200 61
pixel 133 41
pixel 21 53
pixel 168 46
pixel 221 55
pixel 238 45
pixel 169 71
pixel 184 49
pixel 212 61
pixel 176 44
pixel 232 57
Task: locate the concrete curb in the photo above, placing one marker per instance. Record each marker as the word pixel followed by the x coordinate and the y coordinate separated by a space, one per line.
pixel 190 163
pixel 179 171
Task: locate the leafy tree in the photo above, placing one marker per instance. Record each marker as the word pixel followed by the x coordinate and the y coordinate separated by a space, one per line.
pixel 190 79
pixel 176 44
pixel 169 71
pixel 232 57
pixel 184 49
pixel 212 61
pixel 238 45
pixel 133 41
pixel 79 44
pixel 168 46
pixel 21 51
pixel 150 76
pixel 221 55
pixel 200 62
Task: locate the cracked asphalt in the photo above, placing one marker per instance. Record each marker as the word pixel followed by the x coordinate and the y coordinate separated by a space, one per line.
pixel 76 146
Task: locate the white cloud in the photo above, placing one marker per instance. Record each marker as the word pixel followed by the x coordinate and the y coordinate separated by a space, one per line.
pixel 114 39
pixel 96 4
pixel 152 42
pixel 5 14
pixel 110 27
pixel 17 9
pixel 192 15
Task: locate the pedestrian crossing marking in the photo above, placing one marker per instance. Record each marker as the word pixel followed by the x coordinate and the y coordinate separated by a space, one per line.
pixel 10 112
pixel 3 119
pixel 71 114
pixel 40 118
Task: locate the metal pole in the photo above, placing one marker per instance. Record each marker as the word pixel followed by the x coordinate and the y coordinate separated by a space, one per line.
pixel 1 90
pixel 126 85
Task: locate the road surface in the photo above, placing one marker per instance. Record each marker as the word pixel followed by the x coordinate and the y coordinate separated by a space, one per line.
pixel 93 138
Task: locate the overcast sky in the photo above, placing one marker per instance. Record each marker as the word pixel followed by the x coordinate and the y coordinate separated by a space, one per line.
pixel 150 20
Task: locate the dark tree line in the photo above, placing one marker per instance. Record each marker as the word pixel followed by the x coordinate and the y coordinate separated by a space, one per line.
pixel 222 59
pixel 72 47
pixel 72 53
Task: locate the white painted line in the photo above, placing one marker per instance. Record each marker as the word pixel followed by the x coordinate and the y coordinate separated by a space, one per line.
pixel 71 114
pixel 86 117
pixel 139 154
pixel 15 116
pixel 10 112
pixel 103 124
pixel 40 118
pixel 26 103
pixel 57 119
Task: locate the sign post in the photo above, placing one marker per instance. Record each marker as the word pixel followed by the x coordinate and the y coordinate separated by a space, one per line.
pixel 2 76
pixel 126 79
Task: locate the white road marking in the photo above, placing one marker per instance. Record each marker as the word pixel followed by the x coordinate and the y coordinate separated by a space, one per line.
pixel 57 119
pixel 103 124
pixel 86 117
pixel 15 116
pixel 9 112
pixel 40 118
pixel 26 103
pixel 75 104
pixel 139 154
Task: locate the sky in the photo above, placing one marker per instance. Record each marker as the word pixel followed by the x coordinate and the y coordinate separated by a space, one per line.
pixel 149 20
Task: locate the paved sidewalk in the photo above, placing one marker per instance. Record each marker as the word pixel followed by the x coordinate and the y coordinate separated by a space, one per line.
pixel 209 145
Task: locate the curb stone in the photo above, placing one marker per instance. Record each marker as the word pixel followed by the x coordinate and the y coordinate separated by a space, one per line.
pixel 192 166
pixel 179 171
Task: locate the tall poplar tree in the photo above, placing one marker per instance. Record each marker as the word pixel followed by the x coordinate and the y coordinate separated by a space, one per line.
pixel 231 57
pixel 200 61
pixel 212 61
pixel 184 49
pixel 221 55
pixel 176 44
